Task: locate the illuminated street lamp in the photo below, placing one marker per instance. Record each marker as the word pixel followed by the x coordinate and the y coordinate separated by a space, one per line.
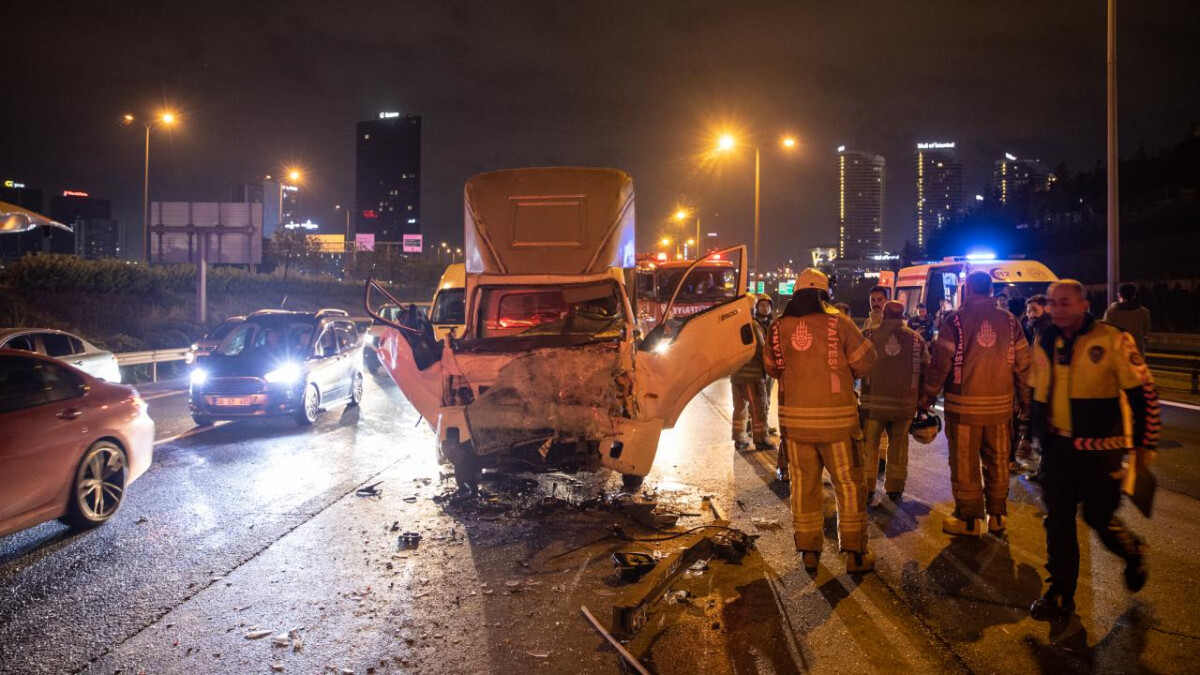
pixel 682 215
pixel 165 118
pixel 727 142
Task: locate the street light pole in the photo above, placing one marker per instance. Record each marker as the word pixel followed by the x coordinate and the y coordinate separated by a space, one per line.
pixel 1114 226
pixel 146 199
pixel 757 192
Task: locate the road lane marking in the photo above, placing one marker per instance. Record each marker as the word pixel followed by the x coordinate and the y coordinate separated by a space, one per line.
pixel 191 432
pixel 1177 404
pixel 164 394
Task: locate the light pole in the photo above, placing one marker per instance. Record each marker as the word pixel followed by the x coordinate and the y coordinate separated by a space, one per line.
pixel 1114 223
pixel 682 215
pixel 727 142
pixel 166 118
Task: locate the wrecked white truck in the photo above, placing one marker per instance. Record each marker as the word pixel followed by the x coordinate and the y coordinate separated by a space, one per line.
pixel 550 371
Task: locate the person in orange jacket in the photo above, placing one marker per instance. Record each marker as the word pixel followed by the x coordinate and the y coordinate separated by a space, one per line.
pixel 816 353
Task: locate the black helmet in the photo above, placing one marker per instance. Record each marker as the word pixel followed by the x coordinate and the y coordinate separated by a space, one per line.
pixel 925 427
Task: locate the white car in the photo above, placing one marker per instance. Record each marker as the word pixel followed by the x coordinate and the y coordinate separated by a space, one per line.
pixel 65 347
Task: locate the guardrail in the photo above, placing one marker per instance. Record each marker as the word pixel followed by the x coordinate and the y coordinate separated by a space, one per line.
pixel 1186 343
pixel 152 357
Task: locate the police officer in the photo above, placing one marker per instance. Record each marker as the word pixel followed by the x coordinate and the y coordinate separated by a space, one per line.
pixel 981 359
pixel 1093 401
pixel 889 398
pixel 816 353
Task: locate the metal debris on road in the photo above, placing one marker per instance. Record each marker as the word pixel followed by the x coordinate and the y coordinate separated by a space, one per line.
pixel 633 565
pixel 408 540
pixel 633 663
pixel 371 490
pixel 765 523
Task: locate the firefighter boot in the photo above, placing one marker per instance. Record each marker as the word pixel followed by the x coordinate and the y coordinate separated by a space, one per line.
pixel 1135 573
pixel 895 496
pixel 859 562
pixel 997 524
pixel 969 527
pixel 1055 604
pixel 810 559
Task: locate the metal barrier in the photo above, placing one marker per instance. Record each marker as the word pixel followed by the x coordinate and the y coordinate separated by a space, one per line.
pixel 153 357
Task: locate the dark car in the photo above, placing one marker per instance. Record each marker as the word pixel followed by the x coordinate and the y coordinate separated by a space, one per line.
pixel 204 346
pixel 280 363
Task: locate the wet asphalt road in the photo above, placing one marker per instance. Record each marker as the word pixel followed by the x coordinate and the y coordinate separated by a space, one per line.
pixel 256 526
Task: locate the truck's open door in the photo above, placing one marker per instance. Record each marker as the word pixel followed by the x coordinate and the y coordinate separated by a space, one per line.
pixel 684 354
pixel 409 353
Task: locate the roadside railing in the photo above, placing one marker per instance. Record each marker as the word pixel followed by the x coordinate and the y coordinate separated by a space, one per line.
pixel 1176 353
pixel 152 357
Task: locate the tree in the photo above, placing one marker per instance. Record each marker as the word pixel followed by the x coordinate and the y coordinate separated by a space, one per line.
pixel 292 247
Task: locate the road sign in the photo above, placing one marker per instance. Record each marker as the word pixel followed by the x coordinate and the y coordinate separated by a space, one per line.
pixel 762 287
pixel 413 243
pixel 787 287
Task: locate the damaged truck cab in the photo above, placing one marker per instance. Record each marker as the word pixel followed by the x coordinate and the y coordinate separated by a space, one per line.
pixel 549 371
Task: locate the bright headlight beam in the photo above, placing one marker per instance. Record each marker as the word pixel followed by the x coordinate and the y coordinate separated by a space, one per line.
pixel 199 376
pixel 285 374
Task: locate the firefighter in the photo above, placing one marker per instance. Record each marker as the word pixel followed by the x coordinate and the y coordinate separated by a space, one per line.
pixel 981 359
pixel 889 397
pixel 764 315
pixel 816 353
pixel 1093 402
pixel 749 386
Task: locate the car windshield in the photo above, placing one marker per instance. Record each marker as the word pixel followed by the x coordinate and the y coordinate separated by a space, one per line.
pixel 589 311
pixel 448 307
pixel 286 337
pixel 221 331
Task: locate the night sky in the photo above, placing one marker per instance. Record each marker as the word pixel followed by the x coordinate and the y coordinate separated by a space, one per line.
pixel 643 86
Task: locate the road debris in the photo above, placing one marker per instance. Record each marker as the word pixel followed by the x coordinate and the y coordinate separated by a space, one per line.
pixel 371 490
pixel 277 666
pixel 254 634
pixel 539 655
pixel 765 523
pixel 633 565
pixel 408 541
pixel 633 663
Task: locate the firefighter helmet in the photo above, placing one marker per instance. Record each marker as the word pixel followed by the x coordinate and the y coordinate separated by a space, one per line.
pixel 925 427
pixel 812 278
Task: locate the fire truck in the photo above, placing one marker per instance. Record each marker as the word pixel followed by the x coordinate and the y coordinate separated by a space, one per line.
pixel 711 282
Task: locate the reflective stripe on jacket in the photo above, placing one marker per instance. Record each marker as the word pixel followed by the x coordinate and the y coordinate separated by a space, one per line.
pixel 890 392
pixel 1112 399
pixel 981 359
pixel 816 358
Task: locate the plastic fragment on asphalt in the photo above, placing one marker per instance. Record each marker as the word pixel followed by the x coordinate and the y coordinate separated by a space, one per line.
pixel 539 655
pixel 257 634
pixel 280 640
pixel 765 523
pixel 277 667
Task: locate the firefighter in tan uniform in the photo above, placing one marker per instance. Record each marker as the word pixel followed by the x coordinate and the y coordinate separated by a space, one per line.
pixel 981 359
pixel 1093 402
pixel 816 353
pixel 889 398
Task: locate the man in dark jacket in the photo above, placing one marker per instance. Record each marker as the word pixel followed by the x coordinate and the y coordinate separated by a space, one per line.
pixel 749 386
pixel 922 323
pixel 1130 316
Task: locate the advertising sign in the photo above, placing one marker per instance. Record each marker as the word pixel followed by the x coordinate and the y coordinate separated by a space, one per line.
pixel 413 243
pixel 231 231
pixel 364 242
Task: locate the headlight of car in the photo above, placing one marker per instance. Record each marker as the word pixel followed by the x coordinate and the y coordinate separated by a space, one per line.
pixel 288 373
pixel 199 376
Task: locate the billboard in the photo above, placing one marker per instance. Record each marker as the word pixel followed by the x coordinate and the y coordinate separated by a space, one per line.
pixel 364 242
pixel 328 243
pixel 413 243
pixel 232 232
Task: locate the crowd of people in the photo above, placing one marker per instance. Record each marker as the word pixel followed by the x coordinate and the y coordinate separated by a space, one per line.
pixel 1019 378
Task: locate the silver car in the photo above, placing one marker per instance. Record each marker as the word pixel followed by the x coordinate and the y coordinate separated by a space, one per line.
pixel 65 347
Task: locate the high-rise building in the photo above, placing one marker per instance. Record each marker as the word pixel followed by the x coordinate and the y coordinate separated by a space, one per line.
pixel 861 178
pixel 14 246
pixel 1013 178
pixel 939 189
pixel 387 189
pixel 96 234
pixel 281 202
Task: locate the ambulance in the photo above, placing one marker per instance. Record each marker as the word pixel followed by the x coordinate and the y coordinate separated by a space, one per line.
pixel 549 371
pixel 933 282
